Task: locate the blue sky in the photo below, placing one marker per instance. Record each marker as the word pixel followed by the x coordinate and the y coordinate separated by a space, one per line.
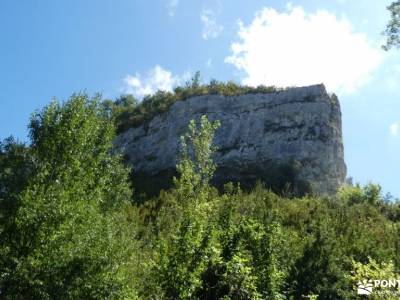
pixel 55 48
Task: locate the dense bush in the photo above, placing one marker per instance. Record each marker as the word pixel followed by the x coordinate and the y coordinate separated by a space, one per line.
pixel 70 230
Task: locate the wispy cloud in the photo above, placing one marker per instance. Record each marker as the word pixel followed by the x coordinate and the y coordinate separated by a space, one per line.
pixel 153 80
pixel 211 29
pixel 299 48
pixel 395 129
pixel 172 5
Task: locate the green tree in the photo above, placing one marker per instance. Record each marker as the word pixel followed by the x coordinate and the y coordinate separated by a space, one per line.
pixel 392 31
pixel 195 81
pixel 16 167
pixel 196 166
pixel 185 248
pixel 70 238
pixel 121 110
pixel 252 232
pixel 370 193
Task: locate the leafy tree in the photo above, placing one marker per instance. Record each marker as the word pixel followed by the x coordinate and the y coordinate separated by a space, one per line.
pixel 184 252
pixel 126 101
pixel 196 167
pixel 370 193
pixel 195 82
pixel 392 30
pixel 16 167
pixel 70 238
pixel 121 110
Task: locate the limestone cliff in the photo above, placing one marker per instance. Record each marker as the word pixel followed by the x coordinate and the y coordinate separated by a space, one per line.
pixel 258 132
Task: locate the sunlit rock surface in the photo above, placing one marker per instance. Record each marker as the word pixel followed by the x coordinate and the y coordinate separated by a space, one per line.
pixel 258 133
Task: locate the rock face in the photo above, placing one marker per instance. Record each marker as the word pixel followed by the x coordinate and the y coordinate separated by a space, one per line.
pixel 258 133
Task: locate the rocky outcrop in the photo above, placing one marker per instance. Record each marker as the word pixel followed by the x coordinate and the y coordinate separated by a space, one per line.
pixel 259 134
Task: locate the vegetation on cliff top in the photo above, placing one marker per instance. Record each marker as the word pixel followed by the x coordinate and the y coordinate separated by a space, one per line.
pixel 129 112
pixel 70 229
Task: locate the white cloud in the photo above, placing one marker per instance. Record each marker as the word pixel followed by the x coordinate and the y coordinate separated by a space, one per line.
pixel 297 48
pixel 153 80
pixel 172 4
pixel 394 129
pixel 211 29
pixel 209 63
